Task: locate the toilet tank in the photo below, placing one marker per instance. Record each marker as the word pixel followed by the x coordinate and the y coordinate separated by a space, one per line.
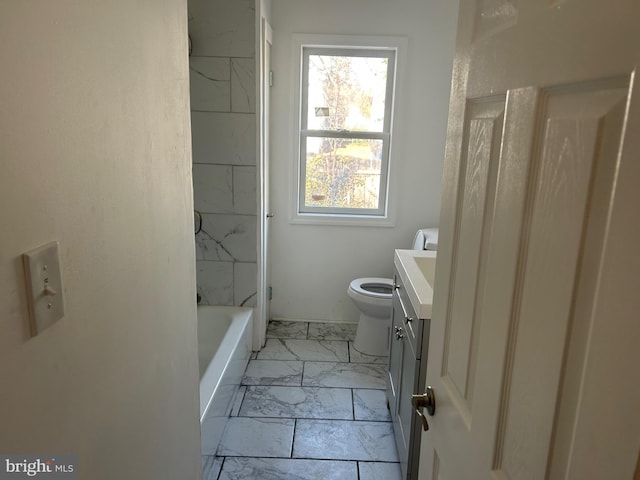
pixel 426 239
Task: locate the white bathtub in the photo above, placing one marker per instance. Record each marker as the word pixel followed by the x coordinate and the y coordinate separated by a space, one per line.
pixel 224 347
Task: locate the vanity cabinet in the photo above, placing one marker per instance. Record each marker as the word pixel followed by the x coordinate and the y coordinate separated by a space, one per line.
pixel 408 346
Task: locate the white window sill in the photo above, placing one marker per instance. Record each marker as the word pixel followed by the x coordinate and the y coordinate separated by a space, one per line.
pixel 341 220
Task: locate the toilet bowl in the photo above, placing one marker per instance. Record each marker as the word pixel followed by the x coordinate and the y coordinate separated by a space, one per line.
pixel 373 297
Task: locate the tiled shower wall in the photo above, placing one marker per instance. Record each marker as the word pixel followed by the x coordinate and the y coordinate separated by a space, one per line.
pixel 223 122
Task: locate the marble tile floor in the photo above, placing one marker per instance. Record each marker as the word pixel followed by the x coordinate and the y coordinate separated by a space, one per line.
pixel 310 407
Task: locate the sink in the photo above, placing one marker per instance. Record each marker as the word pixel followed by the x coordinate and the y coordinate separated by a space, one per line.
pixel 417 270
pixel 427 266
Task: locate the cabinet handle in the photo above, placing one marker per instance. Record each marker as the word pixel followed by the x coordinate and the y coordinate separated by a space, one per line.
pixel 399 334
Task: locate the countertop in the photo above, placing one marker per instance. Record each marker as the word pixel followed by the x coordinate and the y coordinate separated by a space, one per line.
pixel 417 270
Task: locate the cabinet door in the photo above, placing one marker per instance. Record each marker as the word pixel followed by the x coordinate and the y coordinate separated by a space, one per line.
pixel 408 320
pixel 396 348
pixel 407 420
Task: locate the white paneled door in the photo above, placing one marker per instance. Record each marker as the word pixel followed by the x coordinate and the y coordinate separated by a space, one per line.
pixel 534 352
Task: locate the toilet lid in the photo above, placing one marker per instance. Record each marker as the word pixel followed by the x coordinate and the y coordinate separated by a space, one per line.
pixel 373 287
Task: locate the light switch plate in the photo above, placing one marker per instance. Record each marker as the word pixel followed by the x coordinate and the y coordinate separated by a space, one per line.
pixel 44 286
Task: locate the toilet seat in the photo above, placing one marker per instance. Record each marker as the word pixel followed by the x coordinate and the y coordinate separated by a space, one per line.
pixel 359 285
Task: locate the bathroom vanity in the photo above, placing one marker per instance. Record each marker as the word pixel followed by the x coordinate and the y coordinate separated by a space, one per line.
pixel 409 343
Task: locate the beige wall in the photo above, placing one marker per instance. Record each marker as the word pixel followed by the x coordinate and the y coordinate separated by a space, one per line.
pixel 95 153
pixel 313 265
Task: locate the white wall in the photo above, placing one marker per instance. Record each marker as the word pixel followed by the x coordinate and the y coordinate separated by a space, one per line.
pixel 313 265
pixel 95 153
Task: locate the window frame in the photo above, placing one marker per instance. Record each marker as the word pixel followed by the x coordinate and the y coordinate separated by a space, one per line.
pixel 384 135
pixel 305 45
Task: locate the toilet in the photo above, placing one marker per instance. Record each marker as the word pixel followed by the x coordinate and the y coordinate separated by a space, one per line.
pixel 372 296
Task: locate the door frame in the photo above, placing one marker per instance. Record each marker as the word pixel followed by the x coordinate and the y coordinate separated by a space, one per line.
pixel 264 37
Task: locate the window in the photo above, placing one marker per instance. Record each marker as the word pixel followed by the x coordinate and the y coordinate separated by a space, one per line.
pixel 345 123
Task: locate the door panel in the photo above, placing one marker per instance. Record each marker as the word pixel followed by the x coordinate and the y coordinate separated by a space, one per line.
pixel 571 134
pixel 484 127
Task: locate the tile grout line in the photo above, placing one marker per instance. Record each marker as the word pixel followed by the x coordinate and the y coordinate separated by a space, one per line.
pixel 315 419
pixel 293 438
pixel 224 459
pixel 353 460
pixel 353 405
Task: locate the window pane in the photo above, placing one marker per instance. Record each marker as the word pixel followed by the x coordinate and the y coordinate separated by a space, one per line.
pixel 343 172
pixel 346 93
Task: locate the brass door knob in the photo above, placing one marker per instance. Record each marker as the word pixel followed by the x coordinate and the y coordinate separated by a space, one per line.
pixel 420 402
